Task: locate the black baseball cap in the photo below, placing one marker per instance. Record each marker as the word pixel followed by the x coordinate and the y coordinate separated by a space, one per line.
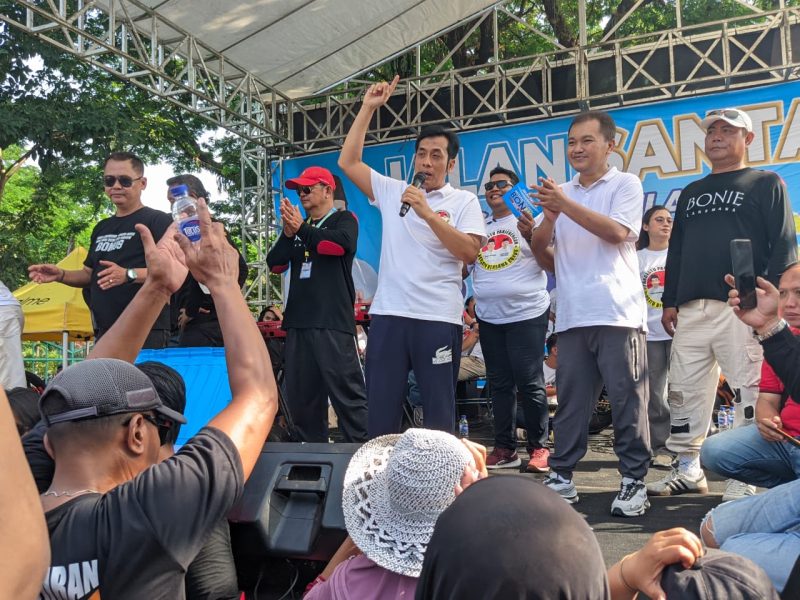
pixel 718 575
pixel 101 387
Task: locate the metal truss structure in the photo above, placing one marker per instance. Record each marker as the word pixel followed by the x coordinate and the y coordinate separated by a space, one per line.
pixel 132 41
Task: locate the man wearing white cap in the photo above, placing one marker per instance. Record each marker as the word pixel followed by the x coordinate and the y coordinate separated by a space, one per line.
pixel 732 202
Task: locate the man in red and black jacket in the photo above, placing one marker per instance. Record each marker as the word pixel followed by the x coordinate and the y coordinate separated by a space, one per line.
pixel 321 358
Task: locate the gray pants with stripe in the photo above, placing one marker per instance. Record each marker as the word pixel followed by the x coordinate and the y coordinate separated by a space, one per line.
pixel 587 358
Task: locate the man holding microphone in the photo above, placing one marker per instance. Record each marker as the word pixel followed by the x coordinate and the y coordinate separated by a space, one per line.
pixel 416 312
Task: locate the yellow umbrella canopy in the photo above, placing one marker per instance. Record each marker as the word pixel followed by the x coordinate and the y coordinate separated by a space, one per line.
pixel 54 309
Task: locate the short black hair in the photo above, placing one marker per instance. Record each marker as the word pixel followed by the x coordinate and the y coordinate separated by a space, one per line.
pixel 438 131
pixel 498 170
pixel 196 187
pixel 551 342
pixel 607 125
pixel 24 403
pixel 138 163
pixel 171 388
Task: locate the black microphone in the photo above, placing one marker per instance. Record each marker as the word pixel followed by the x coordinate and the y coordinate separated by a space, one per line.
pixel 419 179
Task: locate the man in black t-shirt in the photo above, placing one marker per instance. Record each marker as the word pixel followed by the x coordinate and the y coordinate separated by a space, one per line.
pixel 115 267
pixel 123 525
pixel 321 355
pixel 732 202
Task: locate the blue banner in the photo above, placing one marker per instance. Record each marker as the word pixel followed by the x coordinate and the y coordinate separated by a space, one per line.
pixel 660 142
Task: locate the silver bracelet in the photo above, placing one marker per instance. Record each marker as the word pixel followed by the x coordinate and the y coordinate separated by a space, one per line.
pixel 778 327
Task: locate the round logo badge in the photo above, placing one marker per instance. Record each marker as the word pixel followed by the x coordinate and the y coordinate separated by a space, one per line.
pixel 500 251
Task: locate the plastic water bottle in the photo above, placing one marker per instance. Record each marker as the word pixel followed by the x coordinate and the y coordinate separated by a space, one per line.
pixel 722 419
pixel 184 212
pixel 463 427
pixel 731 413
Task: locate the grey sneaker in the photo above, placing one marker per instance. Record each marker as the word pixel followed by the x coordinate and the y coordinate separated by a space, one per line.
pixel 737 489
pixel 631 501
pixel 676 483
pixel 563 487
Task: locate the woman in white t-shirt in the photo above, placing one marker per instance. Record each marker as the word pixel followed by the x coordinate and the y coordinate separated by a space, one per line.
pixel 652 253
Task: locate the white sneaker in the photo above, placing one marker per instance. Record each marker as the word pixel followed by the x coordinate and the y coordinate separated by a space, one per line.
pixel 676 483
pixel 737 489
pixel 563 487
pixel 631 501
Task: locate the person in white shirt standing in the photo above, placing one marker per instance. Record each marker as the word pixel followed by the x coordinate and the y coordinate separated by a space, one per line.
pixel 416 312
pixel 595 220
pixel 652 244
pixel 12 369
pixel 512 306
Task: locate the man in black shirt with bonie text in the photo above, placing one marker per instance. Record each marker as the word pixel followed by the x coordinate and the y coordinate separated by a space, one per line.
pixel 115 267
pixel 732 202
pixel 321 355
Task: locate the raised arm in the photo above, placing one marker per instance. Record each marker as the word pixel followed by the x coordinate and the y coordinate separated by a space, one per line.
pixel 24 543
pixel 167 273
pixel 350 158
pixel 249 416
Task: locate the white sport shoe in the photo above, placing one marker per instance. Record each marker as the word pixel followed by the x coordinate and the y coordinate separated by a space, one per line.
pixel 563 487
pixel 676 483
pixel 737 489
pixel 631 501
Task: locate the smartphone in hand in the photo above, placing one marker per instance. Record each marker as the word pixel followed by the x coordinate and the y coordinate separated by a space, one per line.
pixel 743 272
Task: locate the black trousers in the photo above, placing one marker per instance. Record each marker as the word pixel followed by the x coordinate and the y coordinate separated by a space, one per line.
pixel 514 353
pixel 322 364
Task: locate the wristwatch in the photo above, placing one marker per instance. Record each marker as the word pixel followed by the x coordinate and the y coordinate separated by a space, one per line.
pixel 771 331
pixel 131 274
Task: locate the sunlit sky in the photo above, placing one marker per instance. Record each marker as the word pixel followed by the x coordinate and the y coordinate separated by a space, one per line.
pixel 155 194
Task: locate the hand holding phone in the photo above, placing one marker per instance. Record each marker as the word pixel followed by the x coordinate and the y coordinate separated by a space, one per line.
pixel 788 437
pixel 744 273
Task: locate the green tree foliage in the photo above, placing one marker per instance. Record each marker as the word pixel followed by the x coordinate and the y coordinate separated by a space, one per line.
pixel 38 227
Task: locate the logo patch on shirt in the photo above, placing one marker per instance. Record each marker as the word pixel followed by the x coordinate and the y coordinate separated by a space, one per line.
pixel 443 355
pixel 653 283
pixel 500 251
pixel 445 216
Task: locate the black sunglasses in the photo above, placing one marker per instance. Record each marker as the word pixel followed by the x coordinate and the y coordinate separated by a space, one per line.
pixel 163 425
pixel 305 190
pixel 500 185
pixel 124 180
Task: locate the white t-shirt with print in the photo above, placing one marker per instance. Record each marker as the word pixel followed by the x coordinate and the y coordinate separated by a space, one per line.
pixel 651 274
pixel 509 284
pixel 598 282
pixel 418 277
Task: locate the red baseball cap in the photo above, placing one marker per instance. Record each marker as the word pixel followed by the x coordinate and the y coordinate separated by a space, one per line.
pixel 312 176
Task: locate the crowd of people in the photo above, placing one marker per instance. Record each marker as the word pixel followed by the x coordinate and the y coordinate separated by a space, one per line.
pixel 647 315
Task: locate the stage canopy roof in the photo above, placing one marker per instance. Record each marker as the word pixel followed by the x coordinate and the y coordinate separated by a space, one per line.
pixel 300 47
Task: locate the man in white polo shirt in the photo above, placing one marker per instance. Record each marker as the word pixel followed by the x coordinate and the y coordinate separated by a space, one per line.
pixel 416 312
pixel 595 220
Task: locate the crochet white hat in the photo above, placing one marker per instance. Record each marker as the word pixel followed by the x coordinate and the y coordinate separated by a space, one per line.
pixel 395 488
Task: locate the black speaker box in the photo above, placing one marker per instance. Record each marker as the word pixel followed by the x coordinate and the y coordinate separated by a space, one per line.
pixel 292 503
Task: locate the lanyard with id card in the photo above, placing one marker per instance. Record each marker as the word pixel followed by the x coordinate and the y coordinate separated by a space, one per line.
pixel 305 269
